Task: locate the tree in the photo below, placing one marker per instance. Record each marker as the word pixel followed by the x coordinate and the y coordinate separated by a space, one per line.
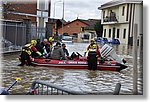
pixel 99 29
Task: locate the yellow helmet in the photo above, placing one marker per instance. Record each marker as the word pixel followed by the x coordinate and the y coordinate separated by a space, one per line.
pixel 92 40
pixel 33 42
pixel 51 39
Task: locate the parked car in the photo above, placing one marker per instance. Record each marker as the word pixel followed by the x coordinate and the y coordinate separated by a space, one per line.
pixel 114 41
pixel 67 39
pixel 102 40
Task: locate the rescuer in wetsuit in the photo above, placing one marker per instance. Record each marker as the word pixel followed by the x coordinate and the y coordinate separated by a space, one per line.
pixel 28 52
pixel 93 54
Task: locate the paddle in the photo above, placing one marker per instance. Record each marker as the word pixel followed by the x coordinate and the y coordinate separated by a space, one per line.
pixel 5 91
pixel 17 79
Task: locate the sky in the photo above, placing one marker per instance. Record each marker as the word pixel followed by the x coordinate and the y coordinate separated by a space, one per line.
pixel 83 9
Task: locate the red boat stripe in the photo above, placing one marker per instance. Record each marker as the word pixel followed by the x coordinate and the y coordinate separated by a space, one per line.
pixel 75 65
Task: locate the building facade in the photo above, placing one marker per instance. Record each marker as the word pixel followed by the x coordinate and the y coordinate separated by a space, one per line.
pixel 73 27
pixel 119 17
pixel 35 24
pixel 80 29
pixel 20 10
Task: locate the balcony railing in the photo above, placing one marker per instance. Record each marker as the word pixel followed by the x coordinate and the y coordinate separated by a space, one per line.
pixel 110 19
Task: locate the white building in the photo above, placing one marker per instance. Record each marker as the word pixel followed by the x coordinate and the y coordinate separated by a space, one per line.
pixel 118 18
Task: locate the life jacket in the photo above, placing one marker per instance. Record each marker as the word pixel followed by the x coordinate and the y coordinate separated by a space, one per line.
pixel 92 48
pixel 27 49
pixel 50 46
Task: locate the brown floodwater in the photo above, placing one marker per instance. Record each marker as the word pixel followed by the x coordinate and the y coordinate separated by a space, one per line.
pixel 78 80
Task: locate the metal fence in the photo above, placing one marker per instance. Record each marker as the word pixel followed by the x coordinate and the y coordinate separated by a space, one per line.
pixel 43 88
pixel 18 33
pixel 13 32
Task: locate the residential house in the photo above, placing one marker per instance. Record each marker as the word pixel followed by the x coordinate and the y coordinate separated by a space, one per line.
pixel 80 29
pixel 56 24
pixel 118 18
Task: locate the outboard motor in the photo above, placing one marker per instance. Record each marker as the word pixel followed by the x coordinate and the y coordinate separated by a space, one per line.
pixel 108 52
pixel 92 61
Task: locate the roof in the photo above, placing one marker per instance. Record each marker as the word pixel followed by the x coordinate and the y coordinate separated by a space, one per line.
pixel 90 22
pixel 118 2
pixel 81 20
pixel 53 20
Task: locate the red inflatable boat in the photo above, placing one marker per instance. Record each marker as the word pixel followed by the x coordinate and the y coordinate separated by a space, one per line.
pixel 77 64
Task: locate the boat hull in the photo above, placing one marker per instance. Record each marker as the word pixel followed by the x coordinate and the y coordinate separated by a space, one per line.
pixel 77 64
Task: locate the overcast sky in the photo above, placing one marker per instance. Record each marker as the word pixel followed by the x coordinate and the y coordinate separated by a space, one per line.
pixel 83 9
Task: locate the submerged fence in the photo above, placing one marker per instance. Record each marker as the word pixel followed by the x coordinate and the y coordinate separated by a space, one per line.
pixel 44 88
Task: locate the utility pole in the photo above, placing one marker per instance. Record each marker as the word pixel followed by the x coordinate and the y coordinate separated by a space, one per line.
pixel 141 57
pixel 135 73
pixel 41 18
pixel 49 9
pixel 63 18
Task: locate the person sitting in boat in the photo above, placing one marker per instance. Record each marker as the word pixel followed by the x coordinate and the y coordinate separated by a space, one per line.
pixel 74 56
pixel 65 50
pixel 28 52
pixel 57 52
pixel 46 47
pixel 39 47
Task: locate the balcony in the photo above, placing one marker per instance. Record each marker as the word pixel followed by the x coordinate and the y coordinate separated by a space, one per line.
pixel 112 19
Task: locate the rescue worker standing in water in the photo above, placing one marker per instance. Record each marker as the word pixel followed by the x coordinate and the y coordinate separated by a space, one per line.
pixel 29 51
pixel 93 54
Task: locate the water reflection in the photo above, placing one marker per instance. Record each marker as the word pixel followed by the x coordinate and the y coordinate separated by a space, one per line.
pixel 92 74
pixel 102 82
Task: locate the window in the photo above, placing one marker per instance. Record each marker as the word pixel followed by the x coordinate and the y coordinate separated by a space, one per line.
pixel 123 9
pixel 104 32
pixel 109 33
pixel 124 33
pixel 85 36
pixel 114 30
pixel 127 12
pixel 82 29
pixel 118 33
pixel 103 14
pixel 75 35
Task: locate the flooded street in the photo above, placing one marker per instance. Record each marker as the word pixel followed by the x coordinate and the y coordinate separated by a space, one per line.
pixel 78 80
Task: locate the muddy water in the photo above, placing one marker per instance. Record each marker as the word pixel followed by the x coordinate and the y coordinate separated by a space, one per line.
pixel 78 80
